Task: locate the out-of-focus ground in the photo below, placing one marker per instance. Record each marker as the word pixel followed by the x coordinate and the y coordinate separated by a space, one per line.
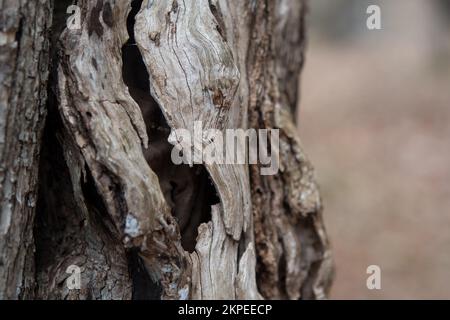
pixel 375 121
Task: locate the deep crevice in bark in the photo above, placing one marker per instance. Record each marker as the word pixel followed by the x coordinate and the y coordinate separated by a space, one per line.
pixel 52 168
pixel 95 203
pixel 58 225
pixel 80 222
pixel 71 227
pixel 188 190
pixel 219 19
pixel 143 286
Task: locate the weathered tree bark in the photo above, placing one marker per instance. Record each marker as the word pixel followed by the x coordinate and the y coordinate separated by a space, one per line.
pixel 110 199
pixel 23 77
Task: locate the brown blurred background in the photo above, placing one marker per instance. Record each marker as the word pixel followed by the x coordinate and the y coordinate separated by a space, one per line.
pixel 375 120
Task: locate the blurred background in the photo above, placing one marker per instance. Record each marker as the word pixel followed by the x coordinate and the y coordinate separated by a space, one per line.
pixel 375 120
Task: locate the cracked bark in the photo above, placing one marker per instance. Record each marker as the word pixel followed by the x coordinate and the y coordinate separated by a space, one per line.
pixel 23 76
pixel 110 200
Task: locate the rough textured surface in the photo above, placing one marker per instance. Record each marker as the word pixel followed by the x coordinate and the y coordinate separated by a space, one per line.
pixel 107 126
pixel 23 78
pixel 194 77
pixel 294 260
pixel 110 199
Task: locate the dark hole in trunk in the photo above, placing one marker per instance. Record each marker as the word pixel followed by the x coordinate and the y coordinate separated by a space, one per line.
pixel 143 286
pixel 189 191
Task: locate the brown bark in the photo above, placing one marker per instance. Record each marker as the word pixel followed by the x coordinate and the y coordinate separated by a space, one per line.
pixel 110 199
pixel 23 77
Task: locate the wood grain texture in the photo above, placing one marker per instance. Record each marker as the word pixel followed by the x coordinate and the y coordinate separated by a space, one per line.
pixel 194 77
pixel 107 126
pixel 110 199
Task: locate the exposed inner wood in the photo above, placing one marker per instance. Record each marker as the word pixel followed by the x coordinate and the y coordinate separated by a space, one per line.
pixel 111 200
pixel 187 190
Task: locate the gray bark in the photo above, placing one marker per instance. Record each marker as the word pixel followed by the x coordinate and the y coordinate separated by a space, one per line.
pixel 23 77
pixel 110 199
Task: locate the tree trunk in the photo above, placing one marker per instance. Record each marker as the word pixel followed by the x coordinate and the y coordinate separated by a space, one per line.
pixel 110 199
pixel 23 77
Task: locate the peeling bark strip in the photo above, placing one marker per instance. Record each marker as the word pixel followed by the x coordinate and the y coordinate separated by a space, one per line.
pixel 110 200
pixel 23 77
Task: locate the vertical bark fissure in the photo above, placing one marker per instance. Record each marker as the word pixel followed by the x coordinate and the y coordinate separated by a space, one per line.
pixel 73 227
pixel 194 77
pixel 111 201
pixel 24 51
pixel 188 190
pixel 108 132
